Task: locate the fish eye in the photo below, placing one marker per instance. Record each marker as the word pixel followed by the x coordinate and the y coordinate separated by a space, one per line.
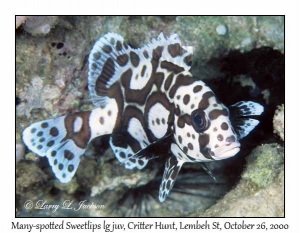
pixel 199 120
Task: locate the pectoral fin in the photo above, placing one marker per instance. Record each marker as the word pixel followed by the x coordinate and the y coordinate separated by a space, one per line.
pixel 172 169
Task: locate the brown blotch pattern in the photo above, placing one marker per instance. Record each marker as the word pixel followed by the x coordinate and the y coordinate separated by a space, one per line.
pixel 119 46
pixel 140 162
pixel 220 137
pixel 197 88
pixel 122 60
pixel 97 55
pixel 94 66
pixel 42 139
pixel 185 149
pixel 177 111
pixel 181 80
pixel 214 114
pixel 190 146
pixel 168 81
pixel 171 67
pixel 122 155
pixel 134 58
pixel 184 119
pixel 61 166
pixel 204 101
pixel 107 49
pixel 50 143
pixel 175 50
pixel 146 54
pixel 125 78
pixel 68 155
pixel 125 45
pixel 203 140
pixel 224 126
pixel 143 71
pixel 186 99
pixel 231 139
pixel 107 72
pixel 140 96
pixel 179 139
pixel 188 60
pixel 81 137
pixel 101 120
pixel 131 112
pixel 44 125
pixel 71 168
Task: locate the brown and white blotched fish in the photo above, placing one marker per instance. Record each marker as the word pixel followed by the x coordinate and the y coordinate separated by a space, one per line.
pixel 142 96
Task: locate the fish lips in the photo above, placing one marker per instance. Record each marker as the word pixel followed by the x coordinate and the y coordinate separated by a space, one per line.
pixel 226 151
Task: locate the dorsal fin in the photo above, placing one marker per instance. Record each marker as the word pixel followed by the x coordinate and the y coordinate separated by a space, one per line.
pixel 110 58
pixel 107 52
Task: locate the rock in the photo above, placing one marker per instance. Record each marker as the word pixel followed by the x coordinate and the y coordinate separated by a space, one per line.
pixel 29 178
pixel 263 164
pixel 69 188
pixel 20 20
pixel 20 152
pixel 278 122
pixel 40 25
pixel 260 192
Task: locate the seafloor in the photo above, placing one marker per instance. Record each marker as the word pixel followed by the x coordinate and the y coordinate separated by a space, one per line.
pixel 241 58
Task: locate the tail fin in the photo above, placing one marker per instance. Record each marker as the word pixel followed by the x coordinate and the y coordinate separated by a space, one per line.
pixel 62 140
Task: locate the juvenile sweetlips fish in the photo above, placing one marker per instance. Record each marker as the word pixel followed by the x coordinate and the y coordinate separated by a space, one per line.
pixel 142 96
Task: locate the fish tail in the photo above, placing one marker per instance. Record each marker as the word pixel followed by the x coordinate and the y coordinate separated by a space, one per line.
pixel 63 140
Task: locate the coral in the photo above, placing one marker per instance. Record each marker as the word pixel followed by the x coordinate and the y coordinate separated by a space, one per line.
pixel 278 122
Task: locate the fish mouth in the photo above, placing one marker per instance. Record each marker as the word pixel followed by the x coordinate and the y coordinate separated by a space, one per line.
pixel 226 151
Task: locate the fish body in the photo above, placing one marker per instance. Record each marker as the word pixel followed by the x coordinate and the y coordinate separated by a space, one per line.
pixel 142 96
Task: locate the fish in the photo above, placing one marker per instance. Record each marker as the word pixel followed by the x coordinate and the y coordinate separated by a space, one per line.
pixel 143 96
